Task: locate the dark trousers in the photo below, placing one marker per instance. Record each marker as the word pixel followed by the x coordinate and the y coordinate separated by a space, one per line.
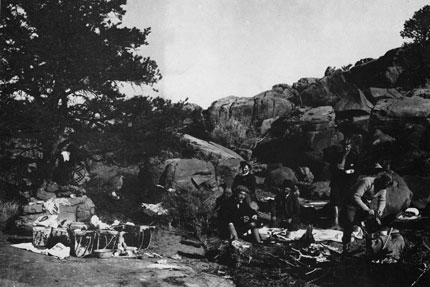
pixel 350 215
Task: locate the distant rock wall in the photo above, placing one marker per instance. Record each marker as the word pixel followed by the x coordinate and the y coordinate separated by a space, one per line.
pixel 250 111
pixel 382 104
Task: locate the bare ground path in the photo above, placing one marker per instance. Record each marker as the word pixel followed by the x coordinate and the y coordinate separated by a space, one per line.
pixel 24 268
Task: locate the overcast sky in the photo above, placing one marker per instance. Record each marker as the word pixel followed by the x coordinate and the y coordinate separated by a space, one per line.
pixel 210 49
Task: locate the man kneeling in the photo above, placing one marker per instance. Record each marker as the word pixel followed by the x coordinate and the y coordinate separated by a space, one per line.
pixel 237 218
pixel 357 208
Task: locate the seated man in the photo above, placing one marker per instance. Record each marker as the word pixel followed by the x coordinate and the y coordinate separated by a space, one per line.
pixel 357 206
pixel 226 194
pixel 286 208
pixel 237 218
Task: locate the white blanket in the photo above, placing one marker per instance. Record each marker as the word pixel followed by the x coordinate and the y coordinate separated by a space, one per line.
pixel 319 234
pixel 58 250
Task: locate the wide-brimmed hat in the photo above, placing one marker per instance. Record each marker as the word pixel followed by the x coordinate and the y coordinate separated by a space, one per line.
pixel 241 188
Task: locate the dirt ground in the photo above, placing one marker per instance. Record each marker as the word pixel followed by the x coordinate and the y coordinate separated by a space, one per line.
pixel 182 264
pixel 24 268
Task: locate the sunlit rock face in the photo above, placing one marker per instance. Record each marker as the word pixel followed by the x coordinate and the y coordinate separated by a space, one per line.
pixel 250 111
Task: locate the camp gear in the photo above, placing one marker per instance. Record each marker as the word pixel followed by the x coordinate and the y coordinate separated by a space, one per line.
pixel 41 236
pixel 86 241
pixel 83 242
pixel 103 253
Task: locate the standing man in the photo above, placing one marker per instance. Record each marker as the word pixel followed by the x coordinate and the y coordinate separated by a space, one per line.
pixel 344 175
pixel 357 206
pixel 237 217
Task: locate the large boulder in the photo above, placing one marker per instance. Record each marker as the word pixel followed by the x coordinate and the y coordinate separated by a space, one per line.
pixel 405 67
pixel 326 91
pixel 403 108
pixel 249 110
pixel 314 128
pixel 188 174
pixel 208 150
pixel 285 90
pixel 276 177
pixel 318 118
pixel 266 125
pixel 419 186
pixel 402 119
pixel 299 141
pixel 375 94
pixel 225 160
pixel 382 72
pixel 354 103
pixel 235 122
pixel 304 83
pixel 407 121
pixel 227 169
pixel 399 197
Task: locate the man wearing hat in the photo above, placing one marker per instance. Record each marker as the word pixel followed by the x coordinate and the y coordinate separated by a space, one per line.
pixel 357 206
pixel 286 208
pixel 247 179
pixel 344 175
pixel 237 218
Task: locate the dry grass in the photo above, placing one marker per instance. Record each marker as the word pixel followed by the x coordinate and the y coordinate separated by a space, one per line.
pixel 8 209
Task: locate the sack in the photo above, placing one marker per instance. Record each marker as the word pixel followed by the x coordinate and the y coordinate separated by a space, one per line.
pixel 44 195
pixel 46 221
pixel 67 212
pixel 85 210
pixel 394 245
pixel 32 208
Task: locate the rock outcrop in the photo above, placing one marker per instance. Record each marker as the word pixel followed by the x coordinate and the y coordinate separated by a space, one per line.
pixel 207 149
pixel 276 177
pixel 405 67
pixel 188 174
pixel 383 104
pixel 419 186
pixel 398 198
pixel 250 111
pixel 326 91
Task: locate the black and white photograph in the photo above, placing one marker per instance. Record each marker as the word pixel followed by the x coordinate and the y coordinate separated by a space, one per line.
pixel 215 143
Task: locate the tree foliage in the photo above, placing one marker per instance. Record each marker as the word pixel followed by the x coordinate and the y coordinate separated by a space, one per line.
pixel 62 64
pixel 418 27
pixel 140 127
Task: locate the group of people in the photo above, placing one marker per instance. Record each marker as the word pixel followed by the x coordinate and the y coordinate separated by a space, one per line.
pixel 351 194
pixel 239 220
pixel 350 197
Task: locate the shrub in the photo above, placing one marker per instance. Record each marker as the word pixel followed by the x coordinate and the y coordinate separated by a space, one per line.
pixel 233 134
pixel 192 210
pixel 8 210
